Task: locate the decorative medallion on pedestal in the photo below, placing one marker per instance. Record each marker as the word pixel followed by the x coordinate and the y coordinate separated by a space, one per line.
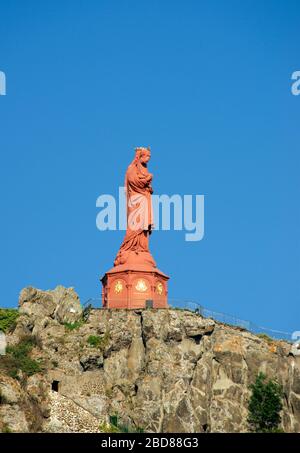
pixel 135 277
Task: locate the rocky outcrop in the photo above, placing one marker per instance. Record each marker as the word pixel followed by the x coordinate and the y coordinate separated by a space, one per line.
pixel 160 370
pixel 24 406
pixel 62 304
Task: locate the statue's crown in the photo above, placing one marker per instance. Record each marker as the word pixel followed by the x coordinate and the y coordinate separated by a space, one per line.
pixel 142 148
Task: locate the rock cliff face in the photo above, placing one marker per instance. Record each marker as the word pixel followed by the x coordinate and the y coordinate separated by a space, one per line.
pixel 159 370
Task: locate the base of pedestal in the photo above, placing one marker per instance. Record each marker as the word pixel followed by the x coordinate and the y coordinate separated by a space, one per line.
pixel 130 287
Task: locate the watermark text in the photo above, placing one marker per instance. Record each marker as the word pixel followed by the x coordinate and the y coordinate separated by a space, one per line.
pixel 296 85
pixel 175 212
pixel 2 84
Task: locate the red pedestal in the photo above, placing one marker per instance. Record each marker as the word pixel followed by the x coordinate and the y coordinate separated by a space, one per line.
pixel 126 286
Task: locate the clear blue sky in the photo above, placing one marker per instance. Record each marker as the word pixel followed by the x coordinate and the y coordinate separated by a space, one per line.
pixel 208 85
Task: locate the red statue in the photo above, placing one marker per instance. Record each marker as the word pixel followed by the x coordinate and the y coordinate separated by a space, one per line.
pixel 135 246
pixel 135 277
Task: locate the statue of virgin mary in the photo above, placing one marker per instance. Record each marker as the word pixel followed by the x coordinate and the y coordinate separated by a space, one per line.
pixel 135 247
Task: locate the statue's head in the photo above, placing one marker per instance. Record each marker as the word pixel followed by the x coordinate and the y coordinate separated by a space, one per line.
pixel 143 154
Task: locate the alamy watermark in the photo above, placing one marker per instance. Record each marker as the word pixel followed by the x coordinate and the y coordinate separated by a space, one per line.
pixel 295 88
pixel 2 343
pixel 296 344
pixel 2 84
pixel 176 212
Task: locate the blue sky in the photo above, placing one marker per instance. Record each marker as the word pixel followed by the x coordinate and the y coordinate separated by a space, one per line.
pixel 207 84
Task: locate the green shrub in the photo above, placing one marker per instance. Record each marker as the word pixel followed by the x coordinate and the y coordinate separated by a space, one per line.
pixel 113 419
pixel 107 428
pixel 265 405
pixel 24 347
pixel 94 341
pixel 74 325
pixel 121 428
pixel 266 337
pixel 8 318
pixel 97 341
pixel 18 358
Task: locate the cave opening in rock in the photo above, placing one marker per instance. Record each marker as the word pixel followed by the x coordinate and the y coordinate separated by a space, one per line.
pixel 55 386
pixel 197 338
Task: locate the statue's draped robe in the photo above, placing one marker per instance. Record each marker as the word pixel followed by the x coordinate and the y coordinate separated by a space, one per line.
pixel 139 212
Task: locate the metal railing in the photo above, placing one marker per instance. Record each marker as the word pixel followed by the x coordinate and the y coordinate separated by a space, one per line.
pixel 235 321
pixel 195 307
